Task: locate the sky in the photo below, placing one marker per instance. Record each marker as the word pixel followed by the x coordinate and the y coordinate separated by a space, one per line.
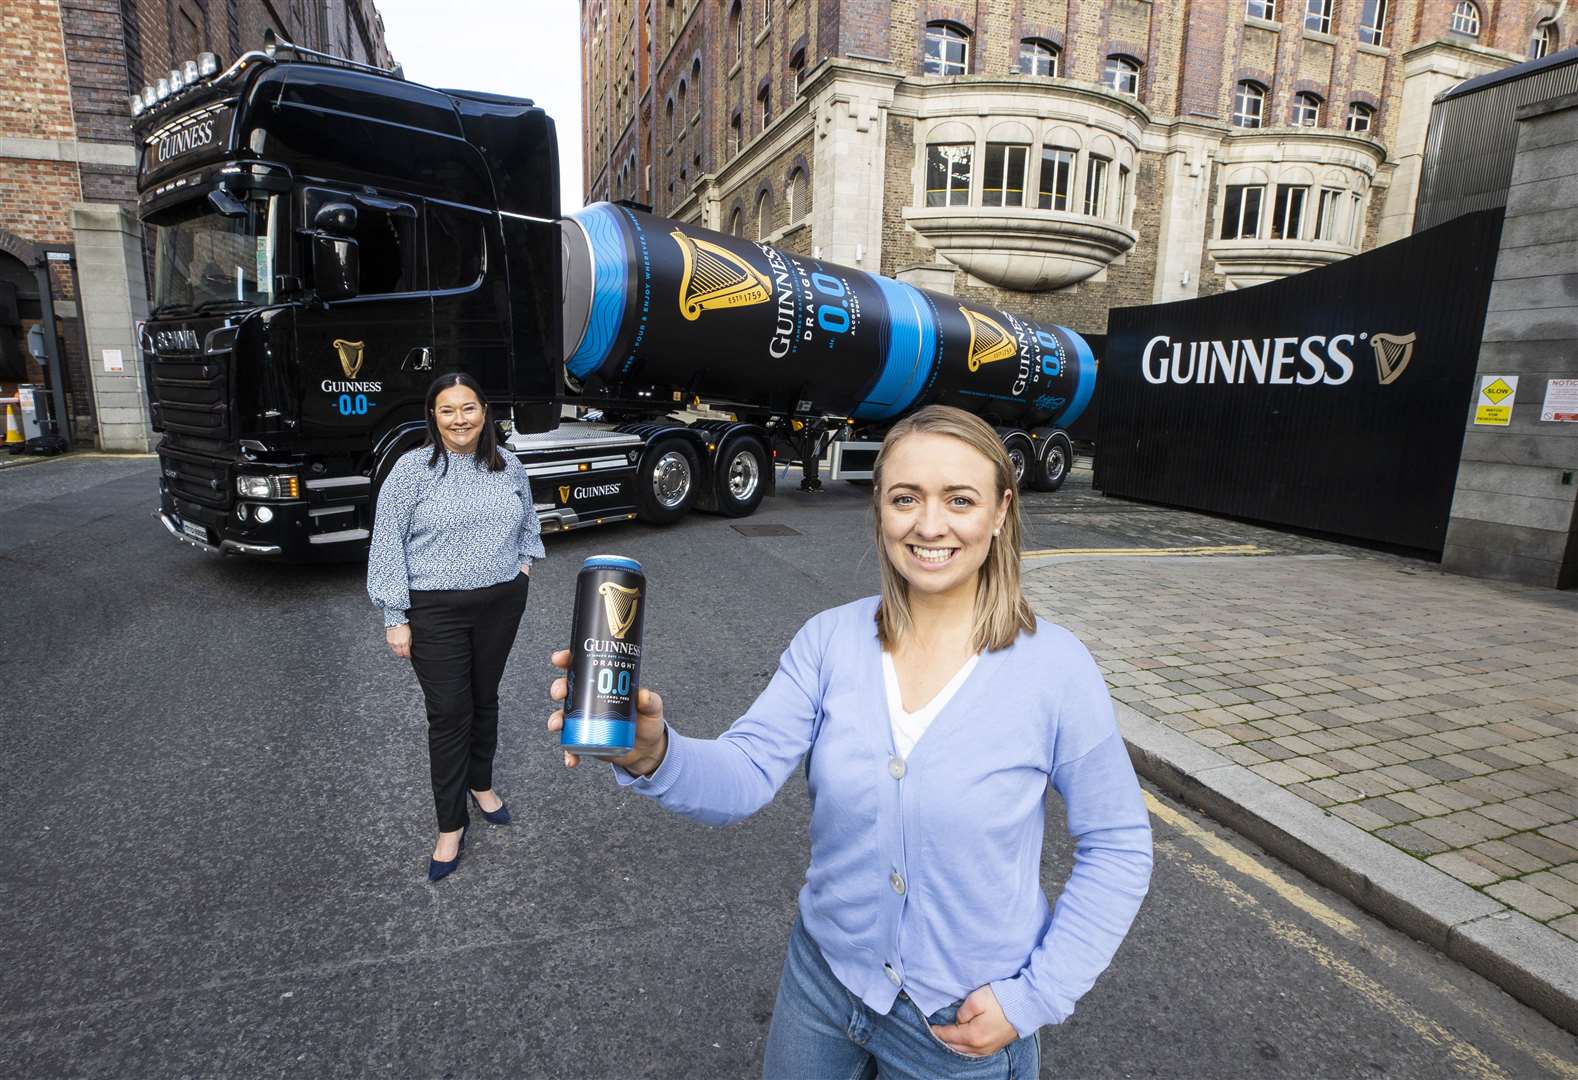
pixel 526 48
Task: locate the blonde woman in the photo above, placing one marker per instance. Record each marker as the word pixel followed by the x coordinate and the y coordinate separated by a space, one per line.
pixel 935 716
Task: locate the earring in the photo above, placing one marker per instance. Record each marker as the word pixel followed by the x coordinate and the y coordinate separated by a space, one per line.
pixel 997 532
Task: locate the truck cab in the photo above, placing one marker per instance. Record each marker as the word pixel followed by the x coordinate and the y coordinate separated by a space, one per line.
pixel 325 239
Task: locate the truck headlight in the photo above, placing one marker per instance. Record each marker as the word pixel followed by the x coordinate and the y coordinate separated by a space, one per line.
pixel 283 486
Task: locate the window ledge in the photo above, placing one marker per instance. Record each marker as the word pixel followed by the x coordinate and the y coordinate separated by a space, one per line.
pixel 1263 24
pixel 735 70
pixel 1374 50
pixel 1254 262
pixel 1317 35
pixel 1022 249
pixel 761 37
pixel 696 117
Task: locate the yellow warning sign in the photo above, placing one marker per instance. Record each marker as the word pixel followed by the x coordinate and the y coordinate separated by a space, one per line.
pixel 1496 396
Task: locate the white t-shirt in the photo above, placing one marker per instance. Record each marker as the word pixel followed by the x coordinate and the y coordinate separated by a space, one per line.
pixel 908 727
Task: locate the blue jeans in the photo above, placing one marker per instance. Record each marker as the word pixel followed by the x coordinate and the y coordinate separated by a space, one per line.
pixel 821 1031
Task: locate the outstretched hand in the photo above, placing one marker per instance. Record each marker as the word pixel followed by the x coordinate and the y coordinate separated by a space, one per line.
pixel 651 731
pixel 981 1029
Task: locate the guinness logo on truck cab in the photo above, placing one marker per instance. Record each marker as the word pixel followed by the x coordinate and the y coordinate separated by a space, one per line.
pixel 350 356
pixel 184 139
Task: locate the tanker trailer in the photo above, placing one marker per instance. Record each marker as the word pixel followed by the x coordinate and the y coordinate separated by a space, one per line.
pixel 657 310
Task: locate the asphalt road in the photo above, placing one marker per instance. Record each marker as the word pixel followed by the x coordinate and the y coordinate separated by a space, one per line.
pixel 216 820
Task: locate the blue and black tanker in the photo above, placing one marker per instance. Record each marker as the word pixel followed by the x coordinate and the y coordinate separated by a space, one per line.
pixel 327 237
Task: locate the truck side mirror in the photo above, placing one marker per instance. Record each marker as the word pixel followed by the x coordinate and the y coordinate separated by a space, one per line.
pixel 338 218
pixel 336 267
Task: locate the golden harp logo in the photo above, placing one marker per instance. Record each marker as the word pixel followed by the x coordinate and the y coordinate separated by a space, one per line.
pixel 989 342
pixel 715 277
pixel 350 356
pixel 620 603
pixel 564 493
pixel 1392 353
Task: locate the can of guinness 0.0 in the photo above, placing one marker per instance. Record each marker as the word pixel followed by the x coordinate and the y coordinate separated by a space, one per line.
pixel 605 657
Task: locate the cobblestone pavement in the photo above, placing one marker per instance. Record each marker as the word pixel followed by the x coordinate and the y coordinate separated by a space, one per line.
pixel 1436 712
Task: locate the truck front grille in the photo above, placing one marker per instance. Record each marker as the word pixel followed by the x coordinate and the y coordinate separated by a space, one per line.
pixel 193 395
pixel 194 479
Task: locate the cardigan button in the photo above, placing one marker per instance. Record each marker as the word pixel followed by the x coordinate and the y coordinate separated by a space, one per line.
pixel 897 882
pixel 896 768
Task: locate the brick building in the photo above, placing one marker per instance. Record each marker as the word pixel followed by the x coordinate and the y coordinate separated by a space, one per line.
pixel 68 171
pixel 1055 157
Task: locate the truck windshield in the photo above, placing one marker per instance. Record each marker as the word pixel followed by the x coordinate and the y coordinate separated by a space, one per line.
pixel 207 260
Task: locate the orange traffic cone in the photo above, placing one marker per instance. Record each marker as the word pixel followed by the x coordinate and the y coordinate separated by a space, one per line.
pixel 13 434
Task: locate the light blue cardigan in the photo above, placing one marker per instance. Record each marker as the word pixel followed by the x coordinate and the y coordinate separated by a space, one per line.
pixel 926 873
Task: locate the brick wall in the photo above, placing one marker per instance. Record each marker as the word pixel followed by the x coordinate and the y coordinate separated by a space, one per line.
pixel 33 72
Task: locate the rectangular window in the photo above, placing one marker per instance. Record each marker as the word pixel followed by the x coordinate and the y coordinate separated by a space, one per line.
pixel 1004 182
pixel 1287 212
pixel 1355 225
pixel 1241 211
pixel 1317 16
pixel 1372 22
pixel 1326 214
pixel 1123 194
pixel 1096 187
pixel 1057 177
pixel 1261 9
pixel 948 174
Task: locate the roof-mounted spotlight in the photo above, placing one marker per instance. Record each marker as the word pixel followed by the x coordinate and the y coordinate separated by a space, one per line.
pixel 207 64
pixel 161 89
pixel 175 80
pixel 189 73
pixel 150 97
pixel 136 105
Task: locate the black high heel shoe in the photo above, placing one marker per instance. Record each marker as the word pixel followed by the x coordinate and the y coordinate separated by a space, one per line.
pixel 437 871
pixel 501 816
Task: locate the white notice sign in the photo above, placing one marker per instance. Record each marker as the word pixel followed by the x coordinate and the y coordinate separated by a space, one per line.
pixel 113 361
pixel 1561 401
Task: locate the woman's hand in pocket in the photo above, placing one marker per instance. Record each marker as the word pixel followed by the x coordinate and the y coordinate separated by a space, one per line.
pixel 399 639
pixel 981 1029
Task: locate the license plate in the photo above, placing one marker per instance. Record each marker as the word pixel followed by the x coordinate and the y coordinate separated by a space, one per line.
pixel 195 531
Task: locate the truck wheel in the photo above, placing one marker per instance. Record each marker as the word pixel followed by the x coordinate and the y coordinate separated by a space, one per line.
pixel 1022 455
pixel 741 477
pixel 1056 460
pixel 667 481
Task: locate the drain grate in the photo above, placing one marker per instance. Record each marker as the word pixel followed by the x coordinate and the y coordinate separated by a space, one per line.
pixel 766 530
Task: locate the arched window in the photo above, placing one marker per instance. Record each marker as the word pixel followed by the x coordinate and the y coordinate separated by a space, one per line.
pixel 1360 116
pixel 1249 104
pixel 1465 18
pixel 799 197
pixel 764 215
pixel 764 107
pixel 1122 74
pixel 1306 110
pixel 684 114
pixel 737 30
pixel 736 222
pixel 1037 57
pixel 947 50
pixel 734 134
pixel 1543 43
pixel 695 78
pixel 767 13
pixel 797 68
pixel 668 119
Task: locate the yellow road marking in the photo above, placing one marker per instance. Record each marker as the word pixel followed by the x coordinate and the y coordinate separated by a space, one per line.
pixel 1222 549
pixel 1469 1057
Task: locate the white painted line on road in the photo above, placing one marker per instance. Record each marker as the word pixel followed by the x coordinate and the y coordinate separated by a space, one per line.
pixel 1138 552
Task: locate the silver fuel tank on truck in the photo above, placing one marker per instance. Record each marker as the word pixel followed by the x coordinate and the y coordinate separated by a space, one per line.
pixel 657 304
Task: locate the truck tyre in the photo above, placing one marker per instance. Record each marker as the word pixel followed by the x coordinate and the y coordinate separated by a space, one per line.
pixel 740 477
pixel 667 481
pixel 1057 458
pixel 1022 455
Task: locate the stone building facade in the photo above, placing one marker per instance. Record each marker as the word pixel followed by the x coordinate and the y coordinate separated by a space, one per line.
pixel 1053 157
pixel 68 172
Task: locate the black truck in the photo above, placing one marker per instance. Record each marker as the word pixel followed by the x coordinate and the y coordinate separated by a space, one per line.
pixel 328 237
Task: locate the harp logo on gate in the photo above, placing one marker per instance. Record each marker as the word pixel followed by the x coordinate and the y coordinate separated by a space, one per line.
pixel 1392 353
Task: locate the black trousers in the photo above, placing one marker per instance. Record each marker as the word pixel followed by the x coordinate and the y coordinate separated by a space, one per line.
pixel 460 639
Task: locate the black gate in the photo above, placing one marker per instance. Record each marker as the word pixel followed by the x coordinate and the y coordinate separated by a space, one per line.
pixel 1334 400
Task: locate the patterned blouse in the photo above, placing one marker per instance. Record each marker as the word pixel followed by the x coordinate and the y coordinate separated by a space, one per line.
pixel 464 528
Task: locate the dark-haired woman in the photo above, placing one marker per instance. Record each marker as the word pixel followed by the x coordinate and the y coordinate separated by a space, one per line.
pixel 453 543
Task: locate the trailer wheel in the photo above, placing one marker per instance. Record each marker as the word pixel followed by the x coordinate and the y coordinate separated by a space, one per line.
pixel 740 477
pixel 667 481
pixel 1055 462
pixel 1022 455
